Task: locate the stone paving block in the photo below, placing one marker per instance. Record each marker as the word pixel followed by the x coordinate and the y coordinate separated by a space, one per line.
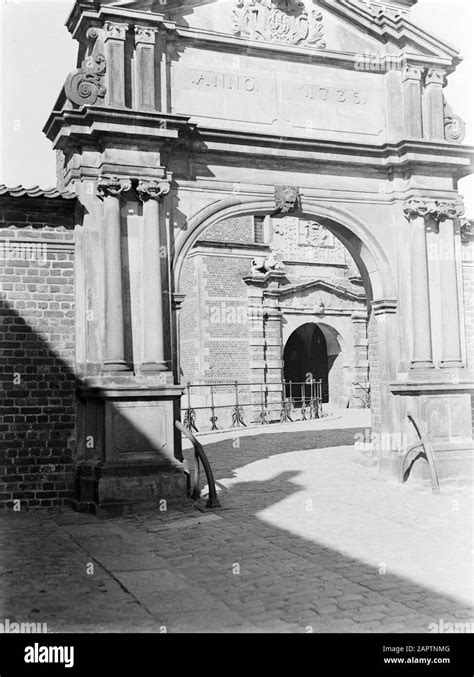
pixel 177 601
pixel 149 581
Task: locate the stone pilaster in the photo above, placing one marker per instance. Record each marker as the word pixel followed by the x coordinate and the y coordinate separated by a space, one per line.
pixel 451 355
pixel 115 35
pixel 433 105
pixel 361 362
pixel 145 67
pixel 151 192
pixel 416 211
pixel 411 80
pixel 110 190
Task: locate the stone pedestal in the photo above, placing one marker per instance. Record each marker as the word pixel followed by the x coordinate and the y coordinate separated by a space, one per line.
pixel 128 442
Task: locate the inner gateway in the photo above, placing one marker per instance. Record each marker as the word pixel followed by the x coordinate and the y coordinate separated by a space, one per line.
pixel 268 300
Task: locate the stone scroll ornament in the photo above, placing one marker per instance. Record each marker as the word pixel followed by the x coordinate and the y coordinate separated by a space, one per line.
pixel 454 126
pixel 84 85
pixel 439 210
pixel 112 186
pixel 286 22
pixel 152 189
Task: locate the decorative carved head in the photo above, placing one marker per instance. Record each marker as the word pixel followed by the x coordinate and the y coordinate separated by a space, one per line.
pixel 287 198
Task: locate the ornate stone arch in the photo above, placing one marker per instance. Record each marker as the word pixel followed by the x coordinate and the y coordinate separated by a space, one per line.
pixel 353 232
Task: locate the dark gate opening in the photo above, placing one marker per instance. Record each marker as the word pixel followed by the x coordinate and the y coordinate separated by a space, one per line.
pixel 306 356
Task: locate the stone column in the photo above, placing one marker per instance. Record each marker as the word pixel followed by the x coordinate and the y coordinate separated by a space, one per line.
pixel 415 211
pixel 451 355
pixel 411 79
pixel 145 67
pixel 110 189
pixel 433 103
pixel 115 34
pixel 150 192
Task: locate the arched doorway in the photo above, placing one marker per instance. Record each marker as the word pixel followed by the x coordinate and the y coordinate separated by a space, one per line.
pixel 306 356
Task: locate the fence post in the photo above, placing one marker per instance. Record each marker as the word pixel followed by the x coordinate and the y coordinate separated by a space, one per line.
pixel 238 412
pixel 213 418
pixel 189 419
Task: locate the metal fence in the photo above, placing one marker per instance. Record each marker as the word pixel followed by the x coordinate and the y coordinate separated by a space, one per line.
pixel 240 404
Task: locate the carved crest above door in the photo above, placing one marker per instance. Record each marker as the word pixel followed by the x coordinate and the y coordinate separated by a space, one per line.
pixel 287 22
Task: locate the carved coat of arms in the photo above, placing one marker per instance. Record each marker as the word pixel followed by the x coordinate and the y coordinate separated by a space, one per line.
pixel 286 22
pixel 318 236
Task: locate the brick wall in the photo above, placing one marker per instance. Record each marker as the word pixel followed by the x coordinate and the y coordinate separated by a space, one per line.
pixel 189 322
pixel 37 427
pixel 237 229
pixel 227 339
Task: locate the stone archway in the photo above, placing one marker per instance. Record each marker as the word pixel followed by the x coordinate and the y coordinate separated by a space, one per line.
pixel 372 263
pixel 147 114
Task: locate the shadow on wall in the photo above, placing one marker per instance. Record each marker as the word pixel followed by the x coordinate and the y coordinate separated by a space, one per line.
pixel 39 407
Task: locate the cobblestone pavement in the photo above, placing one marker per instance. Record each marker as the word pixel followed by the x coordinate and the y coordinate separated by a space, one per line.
pixel 307 540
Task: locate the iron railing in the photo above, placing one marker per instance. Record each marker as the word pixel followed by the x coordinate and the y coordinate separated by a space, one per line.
pixel 362 393
pixel 291 397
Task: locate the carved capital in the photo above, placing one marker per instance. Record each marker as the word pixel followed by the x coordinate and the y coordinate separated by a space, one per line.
pixel 112 186
pixel 84 85
pixel 412 72
pixel 439 210
pixel 435 76
pixel 145 35
pixel 116 31
pixel 152 189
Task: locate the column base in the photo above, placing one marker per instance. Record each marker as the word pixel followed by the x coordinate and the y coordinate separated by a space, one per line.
pixel 154 366
pixel 443 411
pixel 111 490
pixel 115 365
pixel 426 364
pixel 450 364
pixel 129 447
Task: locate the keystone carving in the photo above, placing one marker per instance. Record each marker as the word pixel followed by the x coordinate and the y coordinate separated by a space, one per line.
pixel 84 85
pixel 286 22
pixel 287 198
pixel 112 186
pixel 153 189
pixel 439 210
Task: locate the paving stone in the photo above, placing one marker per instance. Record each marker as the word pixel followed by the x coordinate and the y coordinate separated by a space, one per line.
pixel 296 569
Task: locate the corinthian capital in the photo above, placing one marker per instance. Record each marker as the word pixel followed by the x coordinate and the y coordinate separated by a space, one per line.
pixel 412 72
pixel 145 34
pixel 439 210
pixel 435 76
pixel 152 189
pixel 112 186
pixel 117 31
